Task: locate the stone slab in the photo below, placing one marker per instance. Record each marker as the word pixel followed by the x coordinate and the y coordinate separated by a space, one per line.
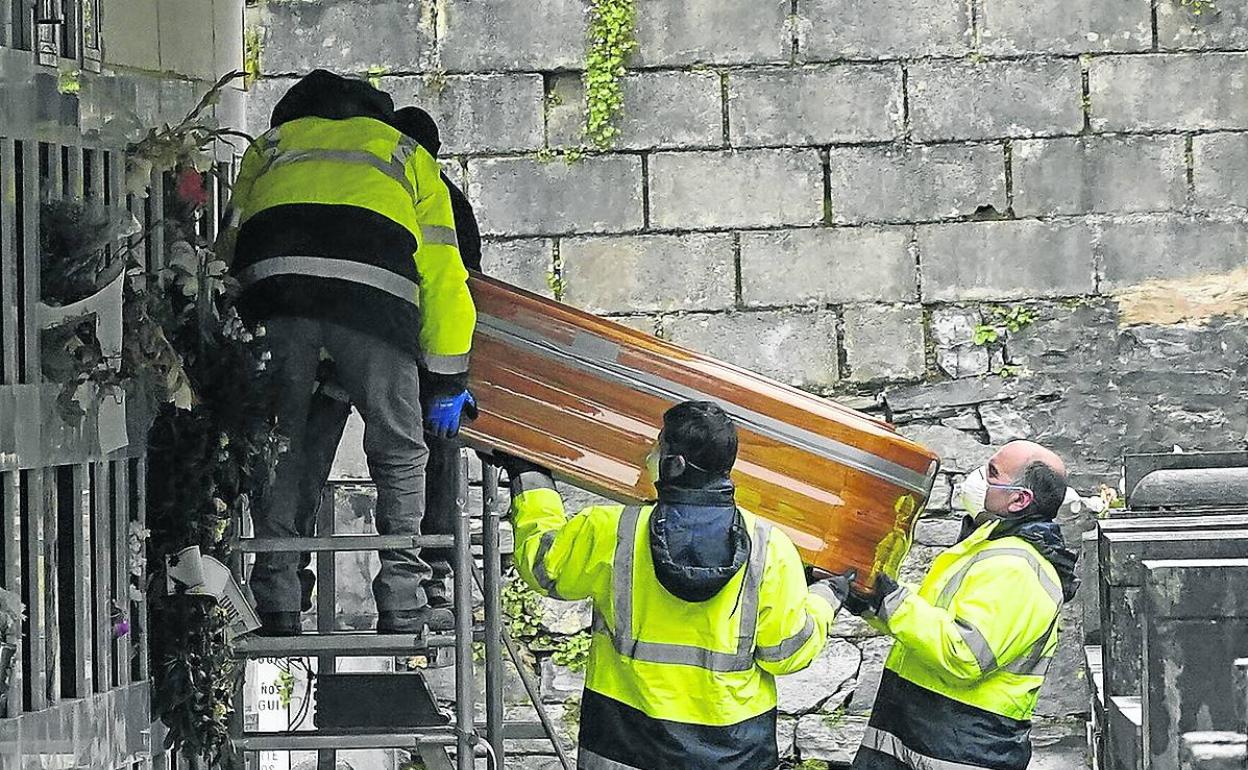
pixel 477 113
pixel 1225 26
pixel 830 737
pixel 662 110
pixel 804 690
pixel 797 347
pixel 747 188
pixel 1169 92
pixel 824 266
pixel 1218 161
pixel 884 342
pixel 346 37
pixel 525 196
pixel 967 100
pixel 890 184
pixel 874 654
pixel 953 332
pixel 526 263
pixel 1005 260
pixel 477 36
pixel 649 273
pixel 1169 247
pixel 712 32
pixel 1055 26
pixel 959 451
pixel 1121 174
pixel 1190 644
pixel 938 532
pixel 815 105
pixel 840 29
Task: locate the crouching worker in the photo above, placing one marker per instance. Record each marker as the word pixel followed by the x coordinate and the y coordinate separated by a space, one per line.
pixel 698 605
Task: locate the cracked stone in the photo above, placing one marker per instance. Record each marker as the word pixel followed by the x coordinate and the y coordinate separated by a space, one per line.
pixel 801 692
pixel 874 652
pixel 565 618
pixel 1004 423
pixel 830 737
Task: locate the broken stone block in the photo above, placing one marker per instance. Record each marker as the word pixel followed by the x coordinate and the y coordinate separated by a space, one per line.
pixel 806 689
pixel 1004 423
pixel 830 737
pixel 564 618
pixel 560 683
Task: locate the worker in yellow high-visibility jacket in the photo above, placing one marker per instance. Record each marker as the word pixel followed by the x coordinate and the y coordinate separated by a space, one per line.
pixel 345 242
pixel 697 606
pixel 974 640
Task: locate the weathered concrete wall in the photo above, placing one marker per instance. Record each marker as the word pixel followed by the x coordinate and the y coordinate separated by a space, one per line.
pixel 838 194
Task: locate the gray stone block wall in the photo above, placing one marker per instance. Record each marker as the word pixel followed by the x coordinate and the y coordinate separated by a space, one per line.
pixel 840 194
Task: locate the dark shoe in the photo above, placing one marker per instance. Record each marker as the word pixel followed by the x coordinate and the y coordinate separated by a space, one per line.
pixel 279 624
pixel 438 601
pixel 414 621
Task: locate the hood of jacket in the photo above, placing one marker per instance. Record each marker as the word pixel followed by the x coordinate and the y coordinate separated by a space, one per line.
pixel 323 94
pixel 698 539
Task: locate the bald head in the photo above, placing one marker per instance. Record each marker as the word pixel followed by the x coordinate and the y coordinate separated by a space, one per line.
pixel 1012 458
pixel 1030 479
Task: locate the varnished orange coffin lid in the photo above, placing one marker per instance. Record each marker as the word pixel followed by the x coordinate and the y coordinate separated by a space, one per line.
pixel 584 397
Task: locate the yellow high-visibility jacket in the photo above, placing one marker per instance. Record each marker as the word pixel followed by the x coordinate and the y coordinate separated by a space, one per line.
pixel 671 683
pixel 973 644
pixel 349 221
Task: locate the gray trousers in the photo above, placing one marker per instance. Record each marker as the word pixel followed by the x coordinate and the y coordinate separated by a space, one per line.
pixel 327 419
pixel 384 385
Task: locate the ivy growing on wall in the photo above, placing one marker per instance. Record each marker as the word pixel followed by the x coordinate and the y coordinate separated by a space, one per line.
pixel 522 608
pixel 1199 7
pixel 610 43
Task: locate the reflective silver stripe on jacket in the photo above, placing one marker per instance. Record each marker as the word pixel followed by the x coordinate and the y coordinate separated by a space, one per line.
pixel 393 168
pixel 326 267
pixel 892 602
pixel 1031 663
pixel 539 565
pixel 1052 589
pixel 1034 662
pixel 446 364
pixel 437 235
pixel 788 647
pixel 628 645
pixel 887 743
pixel 980 648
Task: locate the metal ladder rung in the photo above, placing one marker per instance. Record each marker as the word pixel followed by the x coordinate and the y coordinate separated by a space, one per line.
pixel 344 644
pixel 441 735
pixel 310 740
pixel 346 543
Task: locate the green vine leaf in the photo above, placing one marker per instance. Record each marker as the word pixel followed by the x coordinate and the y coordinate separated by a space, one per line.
pixel 1199 7
pixel 611 40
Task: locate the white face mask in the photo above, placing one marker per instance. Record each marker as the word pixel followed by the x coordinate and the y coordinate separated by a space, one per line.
pixel 652 464
pixel 971 494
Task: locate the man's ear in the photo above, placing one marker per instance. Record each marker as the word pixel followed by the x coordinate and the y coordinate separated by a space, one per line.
pixel 1023 498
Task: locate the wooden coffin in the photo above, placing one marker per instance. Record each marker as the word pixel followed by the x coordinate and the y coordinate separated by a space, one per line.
pixel 584 397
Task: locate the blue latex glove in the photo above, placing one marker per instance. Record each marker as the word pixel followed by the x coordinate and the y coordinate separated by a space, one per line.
pixel 443 412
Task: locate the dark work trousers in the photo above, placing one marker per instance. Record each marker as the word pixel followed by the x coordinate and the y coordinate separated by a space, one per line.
pixel 383 383
pixel 327 419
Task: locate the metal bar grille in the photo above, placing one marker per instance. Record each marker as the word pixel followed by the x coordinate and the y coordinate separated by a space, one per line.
pixel 10 484
pixel 33 589
pixel 9 259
